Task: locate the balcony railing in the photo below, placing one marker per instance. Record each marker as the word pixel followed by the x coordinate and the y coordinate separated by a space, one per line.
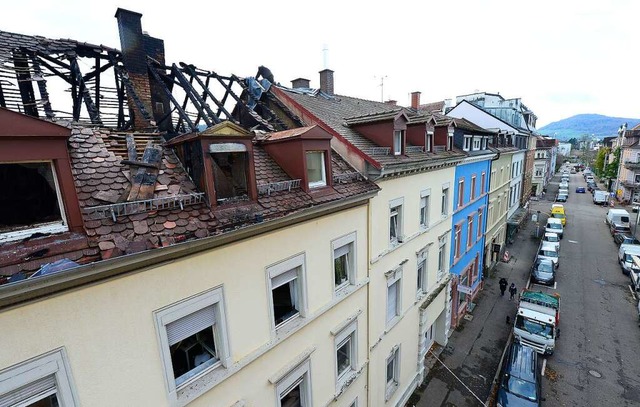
pixel 630 165
pixel 415 149
pixel 379 150
pixel 630 184
pixel 113 211
pixel 267 189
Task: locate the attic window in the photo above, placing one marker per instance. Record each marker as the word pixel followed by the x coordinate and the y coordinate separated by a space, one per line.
pixel 398 137
pixel 31 201
pixel 316 173
pixel 230 175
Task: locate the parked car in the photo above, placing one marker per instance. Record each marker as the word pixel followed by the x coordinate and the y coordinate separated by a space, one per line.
pixel 552 238
pixel 616 228
pixel 626 261
pixel 625 238
pixel 561 198
pixel 543 271
pixel 549 251
pixel 557 211
pixel 564 185
pixel 554 226
pixel 591 185
pixel 580 190
pixel 520 377
pixel 619 216
pixel 600 197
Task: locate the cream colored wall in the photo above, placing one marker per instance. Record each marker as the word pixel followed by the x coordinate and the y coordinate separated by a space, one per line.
pixel 406 331
pixel 109 332
pixel 498 189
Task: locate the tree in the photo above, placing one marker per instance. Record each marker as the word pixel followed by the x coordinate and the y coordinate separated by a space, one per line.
pixel 574 142
pixel 611 170
pixel 599 164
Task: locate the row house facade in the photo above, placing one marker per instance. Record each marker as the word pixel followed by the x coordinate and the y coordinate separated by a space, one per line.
pixel 177 268
pixel 412 159
pixel 470 200
pixel 544 164
pixel 629 172
pixel 485 119
pixel 520 119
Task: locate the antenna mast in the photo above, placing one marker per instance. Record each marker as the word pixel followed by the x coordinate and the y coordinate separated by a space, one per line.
pixel 382 87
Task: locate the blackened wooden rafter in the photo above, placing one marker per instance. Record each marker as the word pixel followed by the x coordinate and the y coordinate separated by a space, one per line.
pixel 201 106
pixel 83 93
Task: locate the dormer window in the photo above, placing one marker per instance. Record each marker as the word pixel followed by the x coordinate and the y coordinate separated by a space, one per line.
pixel 477 143
pixel 31 200
pixel 484 143
pixel 230 173
pixel 428 141
pixel 316 172
pixel 467 143
pixel 398 141
pixel 450 141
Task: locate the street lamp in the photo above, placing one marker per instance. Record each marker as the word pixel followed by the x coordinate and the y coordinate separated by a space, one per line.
pixel 621 131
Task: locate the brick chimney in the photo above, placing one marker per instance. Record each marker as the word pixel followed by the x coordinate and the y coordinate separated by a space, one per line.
pixel 415 99
pixel 326 81
pixel 135 61
pixel 391 102
pixel 300 83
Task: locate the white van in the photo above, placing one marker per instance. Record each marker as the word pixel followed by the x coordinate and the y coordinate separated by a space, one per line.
pixel 554 225
pixel 600 197
pixel 625 260
pixel 619 216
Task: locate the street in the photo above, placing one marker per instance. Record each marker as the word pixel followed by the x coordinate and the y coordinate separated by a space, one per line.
pixel 595 362
pixel 596 359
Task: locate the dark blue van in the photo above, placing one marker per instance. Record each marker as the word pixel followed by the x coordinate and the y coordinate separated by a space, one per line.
pixel 520 378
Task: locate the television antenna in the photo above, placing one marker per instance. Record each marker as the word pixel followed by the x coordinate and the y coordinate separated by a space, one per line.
pixel 382 78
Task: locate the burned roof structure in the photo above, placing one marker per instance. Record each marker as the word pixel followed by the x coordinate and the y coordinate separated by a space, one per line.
pixel 158 155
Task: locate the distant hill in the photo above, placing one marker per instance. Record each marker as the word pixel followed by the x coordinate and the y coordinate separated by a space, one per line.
pixel 580 124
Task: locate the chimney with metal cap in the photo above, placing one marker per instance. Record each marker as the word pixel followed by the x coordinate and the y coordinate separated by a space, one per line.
pixel 300 83
pixel 415 99
pixel 326 81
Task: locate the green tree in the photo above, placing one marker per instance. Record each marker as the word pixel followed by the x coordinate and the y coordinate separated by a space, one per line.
pixel 611 170
pixel 574 142
pixel 599 164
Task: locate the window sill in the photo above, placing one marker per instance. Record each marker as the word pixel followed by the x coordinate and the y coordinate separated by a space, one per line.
pixel 47 228
pixel 346 381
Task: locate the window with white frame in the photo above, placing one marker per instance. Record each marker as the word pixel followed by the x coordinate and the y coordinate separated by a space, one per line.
pixel 470 235
pixel 395 221
pixel 346 353
pixel 39 382
pixel 31 201
pixel 467 143
pixel 394 279
pixel 477 143
pixel 457 241
pixel 422 272
pixel 295 388
pixel 483 182
pixel 428 339
pixel 193 338
pixel 398 136
pixel 286 281
pixel 485 140
pixel 480 227
pixel 473 187
pixel 392 372
pixel 424 208
pixel 461 193
pixel 428 141
pixel 344 261
pixel 442 256
pixel 316 173
pixel 444 204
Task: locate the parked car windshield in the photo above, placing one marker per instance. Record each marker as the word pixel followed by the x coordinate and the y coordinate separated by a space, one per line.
pixel 521 388
pixel 555 226
pixel 552 238
pixel 548 253
pixel 558 215
pixel 534 327
pixel 544 268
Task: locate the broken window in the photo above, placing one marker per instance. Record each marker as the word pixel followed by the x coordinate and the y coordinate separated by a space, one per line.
pixel 230 175
pixel 29 197
pixel 316 169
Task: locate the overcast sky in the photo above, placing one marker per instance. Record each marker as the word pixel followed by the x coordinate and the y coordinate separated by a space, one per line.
pixel 562 57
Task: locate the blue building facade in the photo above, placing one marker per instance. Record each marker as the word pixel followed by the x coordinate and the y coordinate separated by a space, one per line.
pixel 470 200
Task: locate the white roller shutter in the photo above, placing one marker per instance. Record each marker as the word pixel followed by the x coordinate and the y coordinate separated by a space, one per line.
pixel 392 300
pixel 190 324
pixel 284 278
pixel 30 393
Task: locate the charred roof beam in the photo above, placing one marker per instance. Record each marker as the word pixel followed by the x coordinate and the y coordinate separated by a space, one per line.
pixel 82 93
pixel 181 112
pixel 201 106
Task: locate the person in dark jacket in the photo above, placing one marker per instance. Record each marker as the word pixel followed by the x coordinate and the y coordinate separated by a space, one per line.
pixel 503 285
pixel 512 290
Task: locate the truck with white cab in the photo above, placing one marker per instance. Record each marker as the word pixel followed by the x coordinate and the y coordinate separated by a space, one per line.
pixel 537 320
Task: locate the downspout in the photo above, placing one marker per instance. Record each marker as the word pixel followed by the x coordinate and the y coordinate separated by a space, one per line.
pixel 369 303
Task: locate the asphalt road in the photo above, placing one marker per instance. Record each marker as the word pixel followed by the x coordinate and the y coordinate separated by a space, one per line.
pixel 597 357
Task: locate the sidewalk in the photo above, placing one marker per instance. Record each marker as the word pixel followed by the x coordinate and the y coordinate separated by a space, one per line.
pixel 475 347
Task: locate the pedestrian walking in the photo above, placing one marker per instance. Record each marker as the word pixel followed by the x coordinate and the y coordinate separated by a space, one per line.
pixel 503 285
pixel 512 290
